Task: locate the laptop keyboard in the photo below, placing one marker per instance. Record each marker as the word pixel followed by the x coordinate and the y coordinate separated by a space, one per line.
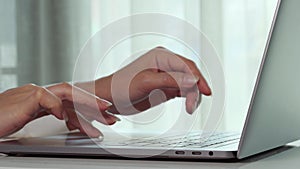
pixel 193 140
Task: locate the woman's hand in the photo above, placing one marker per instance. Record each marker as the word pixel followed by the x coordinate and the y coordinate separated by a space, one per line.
pixel 21 105
pixel 154 78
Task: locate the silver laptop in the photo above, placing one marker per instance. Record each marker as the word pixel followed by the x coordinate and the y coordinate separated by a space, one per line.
pixel 272 120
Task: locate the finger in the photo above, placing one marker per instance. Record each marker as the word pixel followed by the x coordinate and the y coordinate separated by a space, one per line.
pixel 201 83
pixel 70 126
pixel 49 101
pixel 146 103
pixel 66 91
pixel 174 62
pixel 82 125
pixel 88 129
pixel 90 114
pixel 25 104
pixel 176 80
pixel 172 93
pixel 41 114
pixel 193 99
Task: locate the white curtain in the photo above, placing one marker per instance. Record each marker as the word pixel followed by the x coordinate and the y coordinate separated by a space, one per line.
pixel 40 42
pixel 8 57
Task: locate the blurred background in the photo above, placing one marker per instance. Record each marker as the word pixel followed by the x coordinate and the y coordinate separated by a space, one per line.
pixel 40 41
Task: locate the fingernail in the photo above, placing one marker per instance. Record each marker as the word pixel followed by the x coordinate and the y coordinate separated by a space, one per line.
pixel 65 116
pixel 96 133
pixel 199 99
pixel 194 108
pixel 196 103
pixel 115 117
pixel 205 88
pixel 100 138
pixel 190 80
pixel 107 103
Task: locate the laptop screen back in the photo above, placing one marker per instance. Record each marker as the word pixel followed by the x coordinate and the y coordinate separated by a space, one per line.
pixel 273 119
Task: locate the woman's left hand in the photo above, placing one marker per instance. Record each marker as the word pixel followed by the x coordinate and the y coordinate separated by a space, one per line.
pixel 21 105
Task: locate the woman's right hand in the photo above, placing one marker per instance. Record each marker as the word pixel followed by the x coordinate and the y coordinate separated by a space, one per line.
pixel 21 105
pixel 132 88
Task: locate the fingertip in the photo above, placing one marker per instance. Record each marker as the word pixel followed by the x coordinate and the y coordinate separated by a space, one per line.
pixel 91 132
pixel 190 106
pixel 189 80
pixel 58 115
pixel 204 88
pixel 207 92
pixel 112 110
pixel 106 118
pixel 193 100
pixel 71 127
pixel 100 138
pixel 95 133
pixel 104 104
pixel 189 111
pixel 116 118
pixel 112 120
pixel 65 116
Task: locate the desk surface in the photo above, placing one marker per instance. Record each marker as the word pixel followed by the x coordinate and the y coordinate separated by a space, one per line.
pixel 287 159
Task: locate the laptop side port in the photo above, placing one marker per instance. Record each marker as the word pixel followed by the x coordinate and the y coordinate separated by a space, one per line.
pixel 179 152
pixel 197 153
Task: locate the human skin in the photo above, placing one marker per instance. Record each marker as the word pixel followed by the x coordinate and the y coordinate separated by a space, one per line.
pixel 19 106
pixel 130 89
pixel 154 78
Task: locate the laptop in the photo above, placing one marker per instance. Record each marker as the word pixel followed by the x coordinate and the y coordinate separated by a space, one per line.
pixel 272 120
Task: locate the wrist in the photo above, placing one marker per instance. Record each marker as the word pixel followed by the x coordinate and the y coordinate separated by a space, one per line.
pixel 100 87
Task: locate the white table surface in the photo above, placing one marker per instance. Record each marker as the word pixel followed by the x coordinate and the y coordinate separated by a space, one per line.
pixel 289 159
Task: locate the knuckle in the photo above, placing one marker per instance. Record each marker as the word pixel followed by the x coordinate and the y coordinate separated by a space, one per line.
pixel 65 85
pixel 180 79
pixel 190 62
pixel 58 104
pixel 157 52
pixel 144 78
pixel 167 79
pixel 190 65
pixel 30 86
pixel 193 64
pixel 39 91
pixel 158 49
